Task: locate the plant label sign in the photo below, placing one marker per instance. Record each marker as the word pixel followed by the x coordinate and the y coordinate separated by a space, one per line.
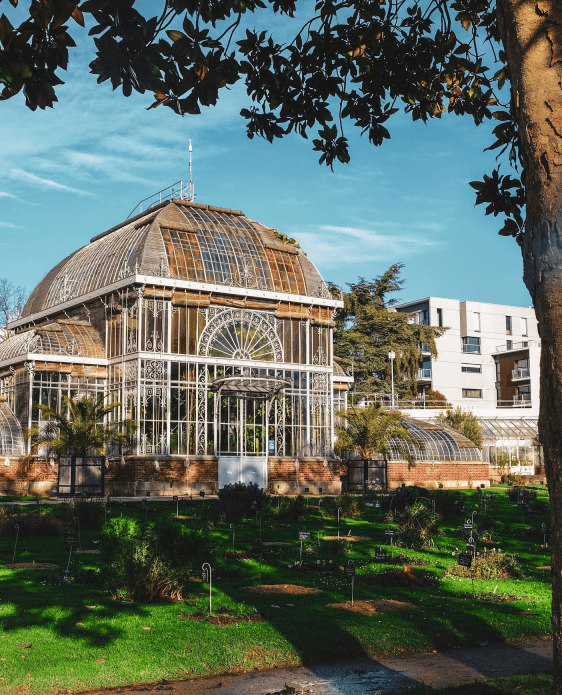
pixel 204 576
pixel 390 532
pixel 257 546
pixel 70 539
pixel 304 535
pixel 349 571
pixel 530 515
pixel 380 555
pixel 465 560
pixel 468 525
pixel 175 498
pixel 470 547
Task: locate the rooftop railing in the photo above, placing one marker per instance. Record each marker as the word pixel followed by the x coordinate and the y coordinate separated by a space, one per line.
pixel 517 346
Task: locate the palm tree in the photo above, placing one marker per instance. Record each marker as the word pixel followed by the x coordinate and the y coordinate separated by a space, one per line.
pixel 372 430
pixel 79 427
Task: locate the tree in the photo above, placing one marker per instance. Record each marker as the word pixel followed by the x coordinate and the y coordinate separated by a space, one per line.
pixel 367 329
pixel 371 431
pixel 359 62
pixel 79 427
pixel 12 301
pixel 464 422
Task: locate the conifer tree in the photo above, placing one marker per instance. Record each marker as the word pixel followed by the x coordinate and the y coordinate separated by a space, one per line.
pixel 368 328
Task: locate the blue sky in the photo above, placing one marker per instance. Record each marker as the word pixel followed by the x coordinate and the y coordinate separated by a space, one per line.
pixel 70 173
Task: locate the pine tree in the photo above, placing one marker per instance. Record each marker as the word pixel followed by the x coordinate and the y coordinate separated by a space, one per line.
pixel 368 328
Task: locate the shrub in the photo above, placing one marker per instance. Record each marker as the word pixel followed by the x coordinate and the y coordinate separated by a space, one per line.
pixel 150 561
pixel 89 514
pixel 337 546
pixel 524 494
pixel 235 501
pixel 488 529
pixel 287 508
pixel 30 525
pixel 493 565
pixel 418 527
pixel 352 506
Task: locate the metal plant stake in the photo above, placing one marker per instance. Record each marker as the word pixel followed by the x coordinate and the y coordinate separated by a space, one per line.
pixel 17 527
pixel 77 522
pixel 339 512
pixel 207 576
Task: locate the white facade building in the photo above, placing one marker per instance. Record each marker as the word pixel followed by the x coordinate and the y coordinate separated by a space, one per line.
pixel 488 358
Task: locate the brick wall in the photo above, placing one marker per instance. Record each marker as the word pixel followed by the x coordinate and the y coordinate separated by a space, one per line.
pixel 34 478
pixel 173 476
pixel 457 474
pixel 312 474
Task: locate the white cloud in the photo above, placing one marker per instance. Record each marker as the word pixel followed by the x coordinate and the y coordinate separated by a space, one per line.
pixel 332 247
pixel 3 194
pixel 9 225
pixel 45 184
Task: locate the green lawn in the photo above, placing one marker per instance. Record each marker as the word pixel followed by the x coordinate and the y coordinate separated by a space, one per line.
pixel 534 684
pixel 81 636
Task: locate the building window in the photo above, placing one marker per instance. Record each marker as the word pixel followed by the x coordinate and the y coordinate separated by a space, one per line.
pixel 477 321
pixel 423 317
pixel 440 317
pixel 471 368
pixel 472 393
pixel 508 325
pixel 509 344
pixel 471 344
pixel 524 327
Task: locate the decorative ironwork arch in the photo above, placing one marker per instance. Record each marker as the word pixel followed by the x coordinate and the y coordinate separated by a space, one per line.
pixel 241 334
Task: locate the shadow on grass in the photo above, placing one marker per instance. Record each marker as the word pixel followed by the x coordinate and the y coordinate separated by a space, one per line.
pixel 63 609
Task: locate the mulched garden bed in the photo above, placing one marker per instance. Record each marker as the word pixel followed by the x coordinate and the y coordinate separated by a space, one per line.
pixel 405 577
pixel 223 617
pixel 282 589
pixel 375 605
pixel 347 538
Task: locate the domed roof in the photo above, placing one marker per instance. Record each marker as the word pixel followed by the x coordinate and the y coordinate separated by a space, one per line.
pixel 188 241
pixel 60 338
pixel 435 442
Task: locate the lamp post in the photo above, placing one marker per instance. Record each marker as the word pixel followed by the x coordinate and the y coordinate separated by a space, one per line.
pixel 391 356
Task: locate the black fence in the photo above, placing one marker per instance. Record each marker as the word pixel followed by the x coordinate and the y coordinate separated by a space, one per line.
pixel 362 475
pixel 81 475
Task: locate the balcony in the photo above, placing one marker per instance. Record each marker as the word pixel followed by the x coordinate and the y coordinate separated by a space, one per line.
pixel 520 373
pixel 523 400
pixel 474 349
pixel 518 346
pixel 424 374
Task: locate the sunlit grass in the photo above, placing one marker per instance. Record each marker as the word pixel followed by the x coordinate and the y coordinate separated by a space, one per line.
pixel 81 637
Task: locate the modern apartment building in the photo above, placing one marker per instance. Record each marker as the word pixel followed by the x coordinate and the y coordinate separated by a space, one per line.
pixel 488 362
pixel 488 358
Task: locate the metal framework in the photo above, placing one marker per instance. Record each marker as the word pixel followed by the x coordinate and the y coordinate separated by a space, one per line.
pixel 213 333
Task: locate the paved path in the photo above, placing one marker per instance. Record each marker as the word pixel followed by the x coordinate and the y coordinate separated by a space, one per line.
pixel 370 676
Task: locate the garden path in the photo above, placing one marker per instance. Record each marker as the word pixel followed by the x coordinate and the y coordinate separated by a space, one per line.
pixel 389 674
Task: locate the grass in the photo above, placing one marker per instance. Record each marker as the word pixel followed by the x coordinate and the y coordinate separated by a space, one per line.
pixel 82 637
pixel 533 684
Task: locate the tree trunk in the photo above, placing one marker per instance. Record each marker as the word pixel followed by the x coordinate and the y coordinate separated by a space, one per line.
pixel 532 35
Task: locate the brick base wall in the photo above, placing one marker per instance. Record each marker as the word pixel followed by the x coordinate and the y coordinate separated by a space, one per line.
pixel 33 478
pixel 428 474
pixel 320 479
pixel 139 476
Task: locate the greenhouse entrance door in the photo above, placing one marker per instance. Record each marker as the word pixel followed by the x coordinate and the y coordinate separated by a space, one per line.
pixel 244 432
pixel 242 441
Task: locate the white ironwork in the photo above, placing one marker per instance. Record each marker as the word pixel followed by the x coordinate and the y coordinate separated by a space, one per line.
pixel 241 334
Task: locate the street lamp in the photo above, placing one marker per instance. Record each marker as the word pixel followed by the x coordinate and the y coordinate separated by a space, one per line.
pixel 391 356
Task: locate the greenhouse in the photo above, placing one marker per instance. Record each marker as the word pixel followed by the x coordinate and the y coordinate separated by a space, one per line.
pixel 213 332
